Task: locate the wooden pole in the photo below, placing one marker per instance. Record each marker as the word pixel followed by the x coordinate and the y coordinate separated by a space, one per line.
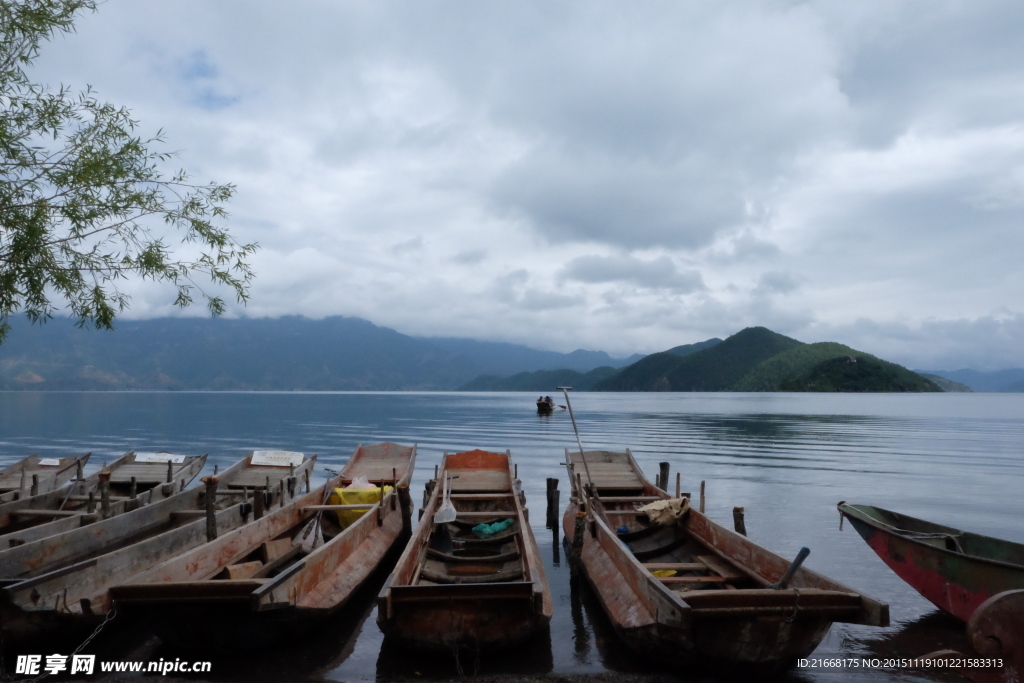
pixel 105 494
pixel 664 466
pixel 738 521
pixel 24 482
pixel 211 507
pixel 133 490
pixel 678 474
pixel 91 506
pixel 702 497
pixel 552 512
pixel 259 502
pixel 170 471
pixel 35 485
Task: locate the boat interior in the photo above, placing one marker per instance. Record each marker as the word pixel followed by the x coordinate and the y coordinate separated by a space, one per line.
pixel 704 577
pixel 484 543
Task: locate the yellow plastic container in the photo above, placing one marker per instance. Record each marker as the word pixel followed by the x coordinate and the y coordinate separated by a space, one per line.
pixel 354 497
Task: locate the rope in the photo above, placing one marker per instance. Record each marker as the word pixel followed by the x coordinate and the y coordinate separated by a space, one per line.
pixel 109 617
pixel 796 608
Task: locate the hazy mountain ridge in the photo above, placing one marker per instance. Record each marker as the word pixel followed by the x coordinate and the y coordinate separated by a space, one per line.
pixel 1010 380
pixel 268 354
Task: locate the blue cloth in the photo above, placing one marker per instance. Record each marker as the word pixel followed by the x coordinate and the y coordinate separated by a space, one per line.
pixel 485 530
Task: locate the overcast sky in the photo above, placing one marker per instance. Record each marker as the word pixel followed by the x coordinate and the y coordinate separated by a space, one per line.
pixel 621 176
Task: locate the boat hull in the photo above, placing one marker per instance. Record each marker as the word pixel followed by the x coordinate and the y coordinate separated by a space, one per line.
pixel 680 588
pixel 762 644
pixel 955 582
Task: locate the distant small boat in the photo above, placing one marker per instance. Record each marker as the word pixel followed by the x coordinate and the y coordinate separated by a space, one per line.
pixel 956 570
pixel 545 404
pixel 270 579
pixel 690 592
pixel 135 479
pixel 40 475
pixel 458 584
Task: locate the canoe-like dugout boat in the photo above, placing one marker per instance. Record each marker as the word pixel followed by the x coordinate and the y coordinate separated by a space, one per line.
pixel 62 580
pixel 457 585
pixel 270 579
pixel 956 570
pixel 34 475
pixel 133 480
pixel 691 592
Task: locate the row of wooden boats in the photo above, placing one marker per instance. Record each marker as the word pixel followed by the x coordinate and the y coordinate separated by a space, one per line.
pixel 254 554
pixel 254 536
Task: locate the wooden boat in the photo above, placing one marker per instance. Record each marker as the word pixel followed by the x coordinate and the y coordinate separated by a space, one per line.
pixel 131 481
pixel 453 588
pixel 34 475
pixel 712 603
pixel 956 570
pixel 64 577
pixel 263 581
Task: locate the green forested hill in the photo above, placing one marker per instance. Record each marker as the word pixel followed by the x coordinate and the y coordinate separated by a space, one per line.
pixel 716 368
pixel 768 375
pixel 862 373
pixel 757 359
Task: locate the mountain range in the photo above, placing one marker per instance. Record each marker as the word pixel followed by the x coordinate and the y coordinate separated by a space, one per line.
pixel 351 354
pixel 269 354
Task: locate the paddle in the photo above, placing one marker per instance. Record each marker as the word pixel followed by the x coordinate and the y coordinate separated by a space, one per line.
pixel 784 581
pixel 446 513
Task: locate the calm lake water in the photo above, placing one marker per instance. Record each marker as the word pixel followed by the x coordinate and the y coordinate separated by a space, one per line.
pixel 956 459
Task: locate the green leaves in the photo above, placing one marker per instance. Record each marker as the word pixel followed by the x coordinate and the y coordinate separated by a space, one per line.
pixel 84 203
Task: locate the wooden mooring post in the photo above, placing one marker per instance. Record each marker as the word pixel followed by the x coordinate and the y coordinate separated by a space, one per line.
pixel 738 521
pixel 211 507
pixel 259 502
pixel 105 494
pixel 552 509
pixel 702 497
pixel 663 467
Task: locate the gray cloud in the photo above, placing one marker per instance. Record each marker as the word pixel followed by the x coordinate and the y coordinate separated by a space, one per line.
pixel 659 273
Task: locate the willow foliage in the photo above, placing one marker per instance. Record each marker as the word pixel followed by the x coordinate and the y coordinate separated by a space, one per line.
pixel 84 204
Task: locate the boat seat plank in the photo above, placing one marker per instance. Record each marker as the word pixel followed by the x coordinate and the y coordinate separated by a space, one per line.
pixel 678 566
pixel 479 480
pixel 377 470
pixel 486 513
pixel 627 499
pixel 690 579
pixel 479 496
pixel 721 567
